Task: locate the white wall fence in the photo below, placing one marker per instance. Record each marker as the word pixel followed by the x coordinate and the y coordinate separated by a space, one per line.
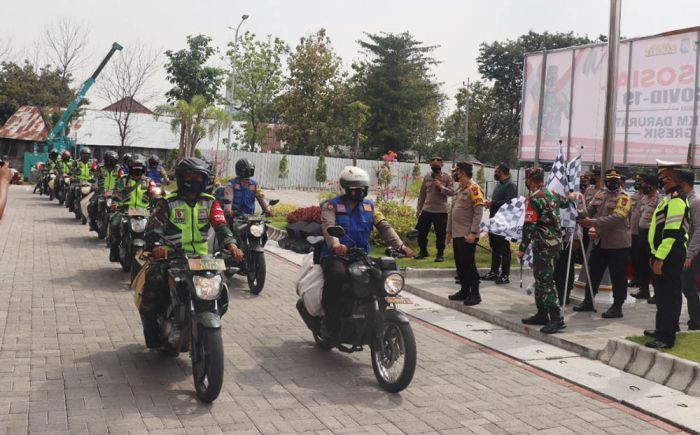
pixel 302 169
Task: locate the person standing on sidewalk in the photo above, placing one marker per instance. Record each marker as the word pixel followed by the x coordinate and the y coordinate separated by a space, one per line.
pixel 463 230
pixel 634 230
pixel 541 230
pixel 432 209
pixel 607 218
pixel 667 241
pixel 691 267
pixel 5 179
pixel 648 201
pixel 504 192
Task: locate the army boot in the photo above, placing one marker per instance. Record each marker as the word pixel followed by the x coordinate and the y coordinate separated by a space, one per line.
pixel 541 318
pixel 614 312
pixel 556 321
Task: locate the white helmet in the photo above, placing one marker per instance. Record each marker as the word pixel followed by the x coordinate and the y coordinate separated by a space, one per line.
pixel 352 177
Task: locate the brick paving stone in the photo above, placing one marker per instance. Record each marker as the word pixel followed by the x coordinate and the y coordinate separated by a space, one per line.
pixel 72 360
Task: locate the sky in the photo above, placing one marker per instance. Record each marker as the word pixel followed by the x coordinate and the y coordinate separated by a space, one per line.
pixel 456 27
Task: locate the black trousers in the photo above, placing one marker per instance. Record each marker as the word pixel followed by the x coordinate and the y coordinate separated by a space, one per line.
pixel 669 298
pixel 642 269
pixel 465 263
pixel 439 222
pixel 634 256
pixel 334 273
pixel 560 272
pixel 500 256
pixel 616 261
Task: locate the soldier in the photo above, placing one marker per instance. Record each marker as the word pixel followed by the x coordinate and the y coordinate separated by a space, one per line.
pixel 463 231
pixel 648 199
pixel 667 239
pixel 432 209
pixel 607 217
pixel 541 229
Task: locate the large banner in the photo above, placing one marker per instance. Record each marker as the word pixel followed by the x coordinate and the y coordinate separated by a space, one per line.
pixel 657 91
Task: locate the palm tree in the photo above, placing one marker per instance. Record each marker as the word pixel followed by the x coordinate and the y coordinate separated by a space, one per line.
pixel 220 120
pixel 191 119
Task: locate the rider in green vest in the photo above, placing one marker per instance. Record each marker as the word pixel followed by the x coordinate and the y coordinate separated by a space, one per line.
pixel 184 219
pixel 131 191
pixel 82 171
pixel 107 176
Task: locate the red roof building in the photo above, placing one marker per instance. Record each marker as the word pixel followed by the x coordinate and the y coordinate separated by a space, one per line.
pixel 128 104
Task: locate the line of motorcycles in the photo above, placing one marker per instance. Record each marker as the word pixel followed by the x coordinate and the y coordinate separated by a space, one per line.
pixel 199 294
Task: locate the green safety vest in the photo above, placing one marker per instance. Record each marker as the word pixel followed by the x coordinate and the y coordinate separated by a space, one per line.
pixel 136 198
pixel 669 225
pixel 84 169
pixel 65 167
pixel 193 223
pixel 52 165
pixel 109 178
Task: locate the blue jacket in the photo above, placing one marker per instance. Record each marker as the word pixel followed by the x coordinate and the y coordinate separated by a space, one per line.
pixel 155 174
pixel 357 222
pixel 244 196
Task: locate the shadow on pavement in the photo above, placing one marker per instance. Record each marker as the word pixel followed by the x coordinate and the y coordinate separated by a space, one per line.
pixel 109 278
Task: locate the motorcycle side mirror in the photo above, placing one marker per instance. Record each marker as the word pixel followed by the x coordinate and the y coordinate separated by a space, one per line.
pixel 220 193
pixel 274 202
pixel 336 231
pixel 412 235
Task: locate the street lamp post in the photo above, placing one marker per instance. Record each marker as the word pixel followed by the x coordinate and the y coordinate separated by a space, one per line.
pixel 233 80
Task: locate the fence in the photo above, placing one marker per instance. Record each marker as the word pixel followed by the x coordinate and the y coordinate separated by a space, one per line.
pixel 302 170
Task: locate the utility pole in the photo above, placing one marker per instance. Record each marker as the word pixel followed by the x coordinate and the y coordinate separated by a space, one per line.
pixel 233 83
pixel 611 89
pixel 466 121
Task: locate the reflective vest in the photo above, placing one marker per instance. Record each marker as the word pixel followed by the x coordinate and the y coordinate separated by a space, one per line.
pixel 192 221
pixel 155 174
pixel 357 222
pixel 244 196
pixel 138 196
pixel 52 164
pixel 669 225
pixel 109 178
pixel 84 171
pixel 65 166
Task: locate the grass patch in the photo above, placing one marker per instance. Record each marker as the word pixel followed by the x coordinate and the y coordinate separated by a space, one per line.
pixel 687 345
pixel 279 222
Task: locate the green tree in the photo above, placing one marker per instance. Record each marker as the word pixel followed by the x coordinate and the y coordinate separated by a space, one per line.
pixel 415 172
pixel 21 85
pixel 395 81
pixel 191 118
pixel 480 177
pixel 258 81
pixel 284 167
pixel 311 107
pixel 189 74
pixel 358 112
pixel 321 169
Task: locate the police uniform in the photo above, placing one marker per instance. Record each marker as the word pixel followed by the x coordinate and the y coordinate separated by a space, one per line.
pixel 611 243
pixel 157 174
pixel 634 231
pixel 464 219
pixel 128 193
pixel 358 222
pixel 432 210
pixel 243 192
pixel 646 205
pixel 668 234
pixel 106 182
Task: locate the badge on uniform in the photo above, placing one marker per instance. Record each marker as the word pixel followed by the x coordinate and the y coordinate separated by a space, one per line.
pixel 340 208
pixel 237 186
pixel 202 215
pixel 251 187
pixel 367 207
pixel 329 206
pixel 179 216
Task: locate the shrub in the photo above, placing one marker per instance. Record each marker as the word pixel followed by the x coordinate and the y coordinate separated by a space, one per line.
pixel 416 169
pixel 321 169
pixel 480 177
pixel 306 214
pixel 282 209
pixel 402 217
pixel 284 167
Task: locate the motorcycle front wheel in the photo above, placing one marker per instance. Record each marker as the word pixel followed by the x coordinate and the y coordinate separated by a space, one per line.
pixel 395 365
pixel 256 272
pixel 207 363
pixel 135 266
pixel 50 194
pixel 125 260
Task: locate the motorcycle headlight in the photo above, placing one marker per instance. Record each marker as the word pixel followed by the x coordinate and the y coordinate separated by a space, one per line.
pixel 256 230
pixel 85 189
pixel 138 225
pixel 207 289
pixel 393 284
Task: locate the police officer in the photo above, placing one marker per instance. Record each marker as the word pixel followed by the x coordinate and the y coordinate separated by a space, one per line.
pixel 607 217
pixel 594 185
pixel 432 209
pixel 52 163
pixel 634 229
pixel 107 176
pixel 691 267
pixel 357 215
pixel 541 230
pixel 156 171
pixel 647 202
pixel 463 231
pixel 184 218
pixel 243 191
pixel 503 193
pixel 126 158
pixel 65 167
pixel 82 171
pixel 667 241
pixel 131 191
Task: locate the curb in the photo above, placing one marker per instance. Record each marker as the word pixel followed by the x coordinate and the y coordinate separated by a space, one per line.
pixel 276 234
pixel 671 371
pixel 553 339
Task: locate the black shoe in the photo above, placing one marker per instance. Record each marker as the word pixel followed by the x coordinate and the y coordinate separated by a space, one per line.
pixel 439 259
pixel 491 276
pixel 472 300
pixel 633 283
pixel 328 332
pixel 658 344
pixel 584 306
pixel 554 326
pixel 114 254
pixel 693 326
pixel 459 296
pixel 652 300
pixel 641 294
pixel 614 312
pixel 541 318
pixel 93 226
pixel 503 279
pixel 650 333
pixel 421 255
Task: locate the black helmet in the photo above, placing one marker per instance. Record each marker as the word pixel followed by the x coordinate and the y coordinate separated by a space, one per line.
pixel 154 160
pixel 191 164
pixel 111 158
pixel 85 151
pixel 126 158
pixel 137 164
pixel 53 153
pixel 245 168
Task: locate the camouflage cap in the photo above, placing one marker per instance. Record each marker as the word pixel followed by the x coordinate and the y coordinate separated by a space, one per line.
pixel 535 173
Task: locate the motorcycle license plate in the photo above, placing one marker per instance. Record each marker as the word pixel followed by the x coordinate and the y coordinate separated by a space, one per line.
pixel 397 300
pixel 137 212
pixel 207 264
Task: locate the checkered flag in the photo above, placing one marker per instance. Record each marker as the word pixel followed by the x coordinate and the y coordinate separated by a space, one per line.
pixel 508 220
pixel 528 257
pixel 574 169
pixel 558 179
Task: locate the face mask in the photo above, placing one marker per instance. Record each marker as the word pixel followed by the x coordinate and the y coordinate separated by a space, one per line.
pixel 193 186
pixel 136 173
pixel 436 168
pixel 612 185
pixel 355 194
pixel 646 189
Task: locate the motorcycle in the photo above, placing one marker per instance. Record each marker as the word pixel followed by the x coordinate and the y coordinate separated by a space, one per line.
pixel 133 226
pixel 63 189
pixel 191 322
pixel 80 193
pixel 104 214
pixel 50 188
pixel 370 316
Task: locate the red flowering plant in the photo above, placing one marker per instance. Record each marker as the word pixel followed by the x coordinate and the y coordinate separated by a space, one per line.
pixel 385 173
pixel 306 214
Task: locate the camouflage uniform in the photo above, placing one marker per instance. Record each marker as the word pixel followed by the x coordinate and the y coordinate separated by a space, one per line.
pixel 541 229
